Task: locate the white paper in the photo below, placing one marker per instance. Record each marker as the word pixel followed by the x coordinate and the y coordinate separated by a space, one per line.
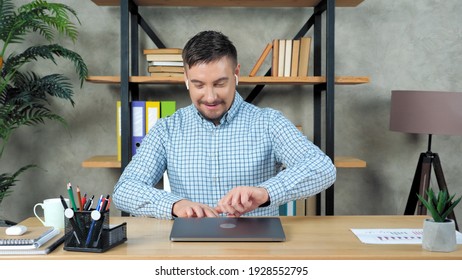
pixel 394 236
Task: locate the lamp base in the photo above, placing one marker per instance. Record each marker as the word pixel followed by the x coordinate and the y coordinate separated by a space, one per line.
pixel 421 183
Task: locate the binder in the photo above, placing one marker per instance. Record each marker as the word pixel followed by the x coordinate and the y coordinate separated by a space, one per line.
pixel 167 108
pixel 166 183
pixel 138 124
pixel 288 209
pixel 152 114
pixel 119 130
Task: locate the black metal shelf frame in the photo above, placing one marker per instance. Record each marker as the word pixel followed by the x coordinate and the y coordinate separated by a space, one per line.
pixel 131 20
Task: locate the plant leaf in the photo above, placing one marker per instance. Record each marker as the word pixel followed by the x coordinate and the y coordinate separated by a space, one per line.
pixel 442 201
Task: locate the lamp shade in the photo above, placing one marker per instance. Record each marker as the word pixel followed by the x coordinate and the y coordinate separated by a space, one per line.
pixel 426 112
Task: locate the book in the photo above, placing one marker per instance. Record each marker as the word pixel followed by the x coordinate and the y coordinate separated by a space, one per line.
pixel 295 58
pixel 30 237
pixel 274 63
pixel 38 241
pixel 288 58
pixel 165 69
pixel 305 47
pixel 310 206
pixel 281 56
pixel 260 60
pixel 164 57
pixel 165 63
pixel 163 51
pixel 46 248
pixel 155 74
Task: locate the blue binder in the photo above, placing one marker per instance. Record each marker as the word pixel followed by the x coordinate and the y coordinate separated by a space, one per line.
pixel 138 124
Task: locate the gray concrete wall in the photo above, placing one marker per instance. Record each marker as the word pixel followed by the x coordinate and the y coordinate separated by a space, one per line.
pixel 399 44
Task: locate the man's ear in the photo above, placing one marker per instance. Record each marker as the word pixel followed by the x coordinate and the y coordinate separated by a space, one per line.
pixel 186 82
pixel 237 79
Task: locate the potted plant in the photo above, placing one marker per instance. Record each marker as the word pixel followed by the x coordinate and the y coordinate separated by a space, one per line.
pixel 25 93
pixel 439 233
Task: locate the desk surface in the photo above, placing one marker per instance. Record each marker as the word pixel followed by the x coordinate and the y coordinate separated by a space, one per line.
pixel 317 237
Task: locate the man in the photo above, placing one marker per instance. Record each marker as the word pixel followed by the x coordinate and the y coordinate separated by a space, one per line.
pixel 223 156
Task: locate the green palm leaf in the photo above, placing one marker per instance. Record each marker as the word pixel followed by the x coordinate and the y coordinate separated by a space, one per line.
pixel 50 52
pixel 24 94
pixel 39 17
pixel 8 180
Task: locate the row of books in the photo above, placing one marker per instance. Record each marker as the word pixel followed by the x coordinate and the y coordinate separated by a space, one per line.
pixel 38 240
pixel 166 62
pixel 144 115
pixel 290 58
pixel 301 207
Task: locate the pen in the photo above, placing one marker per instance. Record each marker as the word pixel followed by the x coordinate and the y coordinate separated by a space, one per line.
pixel 98 205
pixel 79 198
pixel 105 204
pixel 103 209
pixel 96 216
pixel 88 203
pixel 68 213
pixel 63 202
pixel 84 201
pixel 71 196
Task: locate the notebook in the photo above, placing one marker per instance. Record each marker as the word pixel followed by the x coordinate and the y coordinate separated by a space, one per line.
pixel 30 242
pixel 31 236
pixel 227 229
pixel 44 249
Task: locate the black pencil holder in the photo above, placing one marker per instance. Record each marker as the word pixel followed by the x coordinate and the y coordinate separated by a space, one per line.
pixel 89 231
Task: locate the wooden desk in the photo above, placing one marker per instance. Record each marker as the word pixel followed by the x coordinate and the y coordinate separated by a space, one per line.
pixel 318 237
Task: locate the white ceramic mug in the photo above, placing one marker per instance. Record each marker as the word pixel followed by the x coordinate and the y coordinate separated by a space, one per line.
pixel 53 212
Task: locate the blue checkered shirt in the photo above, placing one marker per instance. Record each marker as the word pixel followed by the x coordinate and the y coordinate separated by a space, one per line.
pixel 204 161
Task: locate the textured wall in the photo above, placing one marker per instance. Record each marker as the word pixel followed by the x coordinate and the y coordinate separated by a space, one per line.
pixel 399 44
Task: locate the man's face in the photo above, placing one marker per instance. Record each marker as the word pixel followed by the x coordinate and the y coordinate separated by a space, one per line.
pixel 212 87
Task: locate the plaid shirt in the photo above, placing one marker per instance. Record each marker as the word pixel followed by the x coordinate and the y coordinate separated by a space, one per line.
pixel 204 161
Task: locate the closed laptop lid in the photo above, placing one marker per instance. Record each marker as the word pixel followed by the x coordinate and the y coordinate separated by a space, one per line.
pixel 227 229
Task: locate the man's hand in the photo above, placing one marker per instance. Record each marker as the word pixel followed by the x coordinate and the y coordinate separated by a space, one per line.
pixel 241 200
pixel 188 209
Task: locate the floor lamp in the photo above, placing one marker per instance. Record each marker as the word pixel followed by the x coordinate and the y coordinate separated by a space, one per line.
pixel 426 112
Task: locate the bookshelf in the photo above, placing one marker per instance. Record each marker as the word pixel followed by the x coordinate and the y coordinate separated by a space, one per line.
pixel 323 81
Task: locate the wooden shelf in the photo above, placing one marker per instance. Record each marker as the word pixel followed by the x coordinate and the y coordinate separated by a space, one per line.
pixel 112 162
pixel 229 3
pixel 102 162
pixel 244 80
pixel 349 162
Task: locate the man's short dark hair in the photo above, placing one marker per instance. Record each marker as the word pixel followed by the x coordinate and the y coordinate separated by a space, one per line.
pixel 208 46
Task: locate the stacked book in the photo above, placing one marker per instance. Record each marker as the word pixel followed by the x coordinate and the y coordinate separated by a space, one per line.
pixel 35 241
pixel 290 58
pixel 166 62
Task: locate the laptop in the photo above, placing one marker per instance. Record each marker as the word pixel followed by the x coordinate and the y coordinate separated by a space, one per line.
pixel 240 229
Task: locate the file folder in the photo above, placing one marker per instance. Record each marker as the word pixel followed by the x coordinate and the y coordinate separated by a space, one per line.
pixel 166 183
pixel 119 131
pixel 152 114
pixel 167 108
pixel 138 124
